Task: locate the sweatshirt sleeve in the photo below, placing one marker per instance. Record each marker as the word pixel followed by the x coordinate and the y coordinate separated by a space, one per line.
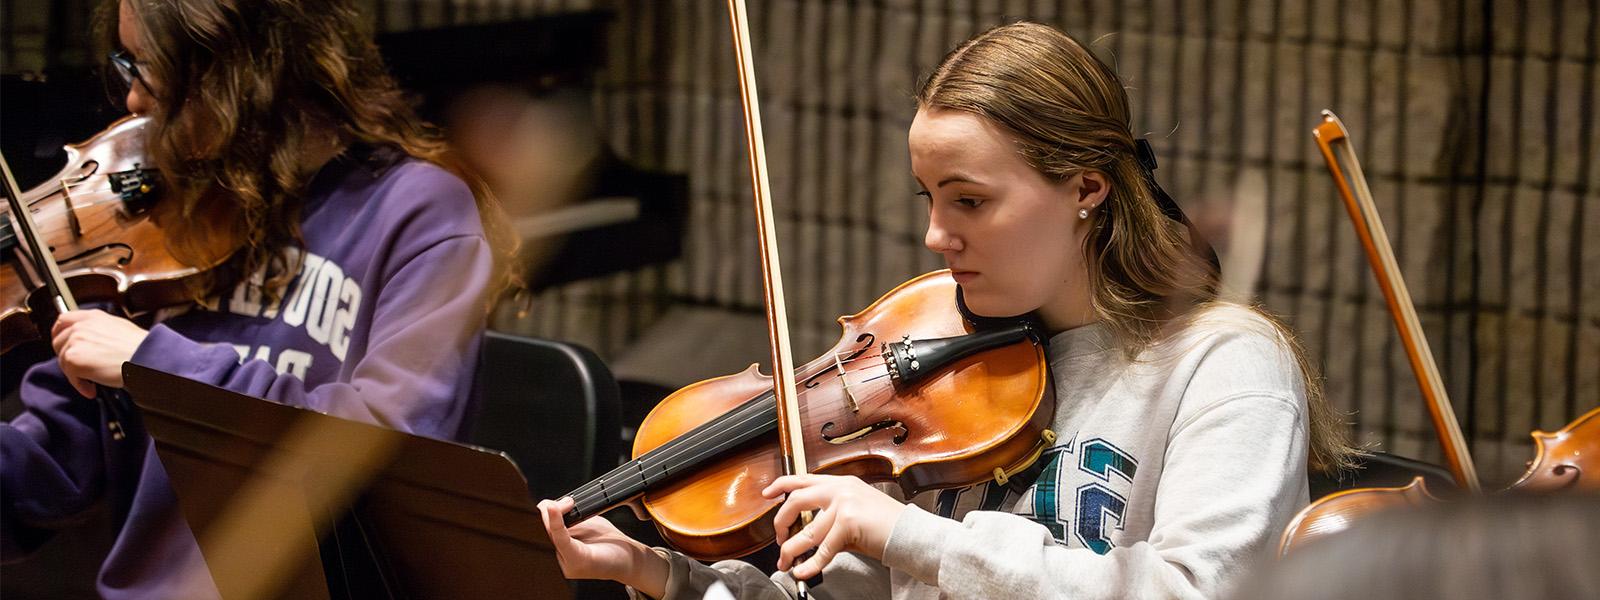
pixel 848 576
pixel 53 468
pixel 1234 476
pixel 420 342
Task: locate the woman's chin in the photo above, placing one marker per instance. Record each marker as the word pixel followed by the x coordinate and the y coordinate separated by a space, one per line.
pixel 986 305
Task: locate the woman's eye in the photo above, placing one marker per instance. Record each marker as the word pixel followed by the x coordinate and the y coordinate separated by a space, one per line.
pixel 963 201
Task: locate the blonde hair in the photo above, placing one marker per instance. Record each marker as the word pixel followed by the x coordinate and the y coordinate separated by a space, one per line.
pixel 1069 114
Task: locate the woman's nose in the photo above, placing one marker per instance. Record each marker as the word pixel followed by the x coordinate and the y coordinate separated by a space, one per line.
pixel 939 237
pixel 138 100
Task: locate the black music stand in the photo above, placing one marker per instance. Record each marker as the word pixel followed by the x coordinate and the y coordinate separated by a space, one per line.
pixel 406 517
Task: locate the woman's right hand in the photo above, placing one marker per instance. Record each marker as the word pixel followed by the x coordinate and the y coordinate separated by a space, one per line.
pixel 596 549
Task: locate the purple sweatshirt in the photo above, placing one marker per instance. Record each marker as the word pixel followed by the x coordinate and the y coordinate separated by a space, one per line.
pixel 381 325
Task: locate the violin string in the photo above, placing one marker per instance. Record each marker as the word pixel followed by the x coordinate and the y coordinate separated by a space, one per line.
pixel 864 356
pixel 734 420
pixel 873 378
pixel 754 407
pixel 713 432
pixel 85 180
pixel 673 462
pixel 741 412
pixel 67 186
pixel 711 427
pixel 714 436
pixel 741 417
pixel 700 451
pixel 694 446
pixel 671 445
pixel 667 466
pixel 100 197
pixel 92 180
pixel 811 370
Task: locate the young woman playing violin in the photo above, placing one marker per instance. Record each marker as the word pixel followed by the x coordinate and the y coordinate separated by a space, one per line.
pixel 352 276
pixel 1185 425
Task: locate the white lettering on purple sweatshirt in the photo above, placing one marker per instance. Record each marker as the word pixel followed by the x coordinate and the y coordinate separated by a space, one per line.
pixel 381 325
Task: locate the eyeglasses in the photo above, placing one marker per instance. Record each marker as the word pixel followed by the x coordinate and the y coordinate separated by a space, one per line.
pixel 127 68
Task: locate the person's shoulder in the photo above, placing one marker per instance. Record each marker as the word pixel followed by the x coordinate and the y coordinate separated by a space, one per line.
pixel 425 184
pixel 1231 324
pixel 1239 348
pixel 416 194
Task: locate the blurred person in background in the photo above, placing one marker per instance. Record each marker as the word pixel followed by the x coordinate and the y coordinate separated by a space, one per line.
pixel 1505 547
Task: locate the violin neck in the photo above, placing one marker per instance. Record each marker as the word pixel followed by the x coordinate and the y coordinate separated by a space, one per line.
pixel 711 440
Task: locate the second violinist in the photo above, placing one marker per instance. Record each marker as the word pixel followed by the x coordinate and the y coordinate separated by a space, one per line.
pixel 1185 425
pixel 357 285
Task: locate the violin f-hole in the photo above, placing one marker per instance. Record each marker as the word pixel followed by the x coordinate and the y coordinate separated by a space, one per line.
pixel 121 253
pixel 1570 473
pixel 899 437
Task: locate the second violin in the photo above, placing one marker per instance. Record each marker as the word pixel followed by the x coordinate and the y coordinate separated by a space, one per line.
pixel 1562 455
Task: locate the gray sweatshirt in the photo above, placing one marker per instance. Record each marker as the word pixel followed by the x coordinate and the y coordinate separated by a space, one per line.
pixel 1172 473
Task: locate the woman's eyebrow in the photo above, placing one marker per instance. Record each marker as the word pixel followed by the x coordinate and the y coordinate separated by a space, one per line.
pixel 953 178
pixel 957 178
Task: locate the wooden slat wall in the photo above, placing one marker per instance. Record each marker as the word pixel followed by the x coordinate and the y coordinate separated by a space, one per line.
pixel 1473 120
pixel 1475 138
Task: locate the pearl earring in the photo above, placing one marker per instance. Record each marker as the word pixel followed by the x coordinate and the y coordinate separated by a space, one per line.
pixel 1083 213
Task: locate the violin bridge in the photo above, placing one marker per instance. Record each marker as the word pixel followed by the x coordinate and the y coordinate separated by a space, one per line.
pixel 72 214
pixel 844 380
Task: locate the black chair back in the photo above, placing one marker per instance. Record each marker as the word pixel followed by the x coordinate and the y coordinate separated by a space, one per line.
pixel 1381 469
pixel 551 406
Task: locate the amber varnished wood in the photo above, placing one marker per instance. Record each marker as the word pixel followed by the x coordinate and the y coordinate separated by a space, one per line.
pixel 113 254
pixel 1565 460
pixel 1336 512
pixel 986 411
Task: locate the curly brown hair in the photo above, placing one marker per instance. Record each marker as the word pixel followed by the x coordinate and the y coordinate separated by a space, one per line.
pixel 244 88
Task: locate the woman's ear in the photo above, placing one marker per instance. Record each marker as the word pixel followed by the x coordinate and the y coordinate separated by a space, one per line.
pixel 1089 190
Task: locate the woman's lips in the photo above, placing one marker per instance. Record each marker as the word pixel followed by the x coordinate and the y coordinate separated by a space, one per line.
pixel 963 276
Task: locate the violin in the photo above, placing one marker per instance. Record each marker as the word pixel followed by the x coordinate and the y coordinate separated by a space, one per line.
pixel 912 393
pixel 1557 466
pixel 94 218
pixel 1562 456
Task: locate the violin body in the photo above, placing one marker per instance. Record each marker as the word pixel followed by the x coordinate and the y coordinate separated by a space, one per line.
pixel 978 414
pixel 1559 466
pixel 1337 511
pixel 93 216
